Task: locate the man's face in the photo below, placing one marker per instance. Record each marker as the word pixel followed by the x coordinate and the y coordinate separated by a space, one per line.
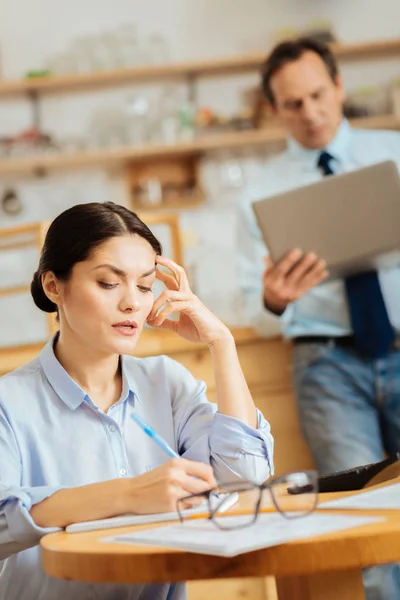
pixel 307 102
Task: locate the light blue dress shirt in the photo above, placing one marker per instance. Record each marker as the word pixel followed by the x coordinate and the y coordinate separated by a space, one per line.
pixel 53 436
pixel 323 310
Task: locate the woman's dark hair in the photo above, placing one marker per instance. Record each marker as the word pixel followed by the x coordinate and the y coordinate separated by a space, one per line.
pixel 290 51
pixel 75 233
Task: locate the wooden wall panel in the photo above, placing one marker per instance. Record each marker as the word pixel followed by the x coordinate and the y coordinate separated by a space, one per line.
pixel 267 368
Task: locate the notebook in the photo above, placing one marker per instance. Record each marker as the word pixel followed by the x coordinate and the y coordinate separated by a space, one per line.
pixel 125 520
pixel 202 536
pixel 384 498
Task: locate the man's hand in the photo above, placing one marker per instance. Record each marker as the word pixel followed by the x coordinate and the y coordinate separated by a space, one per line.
pixel 291 278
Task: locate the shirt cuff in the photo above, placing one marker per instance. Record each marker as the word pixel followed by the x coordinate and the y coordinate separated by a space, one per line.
pixel 16 503
pixel 231 438
pixel 288 314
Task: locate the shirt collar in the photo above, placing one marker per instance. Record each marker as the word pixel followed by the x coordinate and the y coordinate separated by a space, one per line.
pixel 128 384
pixel 338 147
pixel 66 388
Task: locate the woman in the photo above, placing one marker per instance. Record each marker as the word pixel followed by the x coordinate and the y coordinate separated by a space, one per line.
pixel 69 450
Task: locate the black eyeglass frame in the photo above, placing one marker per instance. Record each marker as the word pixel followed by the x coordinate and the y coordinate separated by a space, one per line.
pixel 247 486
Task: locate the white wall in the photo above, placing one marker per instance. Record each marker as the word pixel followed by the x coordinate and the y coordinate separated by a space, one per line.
pixel 32 31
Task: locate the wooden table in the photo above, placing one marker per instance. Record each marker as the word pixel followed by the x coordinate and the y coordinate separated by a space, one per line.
pixel 327 567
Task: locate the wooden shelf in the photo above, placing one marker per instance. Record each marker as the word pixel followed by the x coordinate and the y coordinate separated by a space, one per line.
pixel 206 67
pixel 124 155
pixel 183 203
pixel 367 50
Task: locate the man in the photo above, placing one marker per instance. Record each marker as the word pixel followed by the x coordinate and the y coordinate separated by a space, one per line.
pixel 346 379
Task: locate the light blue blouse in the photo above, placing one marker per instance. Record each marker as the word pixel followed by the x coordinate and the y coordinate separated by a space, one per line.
pixel 53 436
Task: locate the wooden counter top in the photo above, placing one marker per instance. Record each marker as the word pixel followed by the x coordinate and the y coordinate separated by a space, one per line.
pixel 323 567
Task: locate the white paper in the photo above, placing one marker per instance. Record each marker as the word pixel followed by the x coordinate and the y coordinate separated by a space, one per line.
pixel 386 498
pixel 126 520
pixel 202 536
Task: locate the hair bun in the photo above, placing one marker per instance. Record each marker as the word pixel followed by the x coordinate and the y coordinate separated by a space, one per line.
pixel 39 297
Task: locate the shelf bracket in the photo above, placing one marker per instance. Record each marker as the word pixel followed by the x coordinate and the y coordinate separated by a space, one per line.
pixel 35 107
pixel 192 89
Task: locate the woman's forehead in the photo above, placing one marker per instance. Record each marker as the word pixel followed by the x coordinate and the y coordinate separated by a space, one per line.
pixel 128 253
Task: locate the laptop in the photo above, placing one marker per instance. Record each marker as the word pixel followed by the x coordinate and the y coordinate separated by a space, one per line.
pixel 351 220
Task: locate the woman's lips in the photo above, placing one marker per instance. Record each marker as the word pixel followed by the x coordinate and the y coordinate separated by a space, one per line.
pixel 127 328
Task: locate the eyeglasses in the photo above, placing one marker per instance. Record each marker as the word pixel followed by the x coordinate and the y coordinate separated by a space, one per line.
pixel 293 495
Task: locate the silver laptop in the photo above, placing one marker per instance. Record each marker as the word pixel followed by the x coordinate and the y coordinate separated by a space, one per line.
pixel 351 220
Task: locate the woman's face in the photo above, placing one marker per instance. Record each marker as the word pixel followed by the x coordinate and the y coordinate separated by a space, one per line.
pixel 109 296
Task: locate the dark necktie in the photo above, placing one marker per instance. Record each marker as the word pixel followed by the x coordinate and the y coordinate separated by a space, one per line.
pixel 373 332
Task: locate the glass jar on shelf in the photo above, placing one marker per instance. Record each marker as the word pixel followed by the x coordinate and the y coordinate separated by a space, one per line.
pixel 168 115
pixel 83 55
pixel 149 193
pixel 231 176
pixel 130 47
pixel 187 114
pixel 138 115
pixel 61 64
pixel 107 128
pixel 108 52
pixel 156 50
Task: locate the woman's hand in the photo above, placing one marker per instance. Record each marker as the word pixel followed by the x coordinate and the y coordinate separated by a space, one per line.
pixel 196 322
pixel 159 490
pixel 153 492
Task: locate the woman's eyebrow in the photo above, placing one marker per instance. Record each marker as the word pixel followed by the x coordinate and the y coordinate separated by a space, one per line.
pixel 122 273
pixel 112 268
pixel 148 273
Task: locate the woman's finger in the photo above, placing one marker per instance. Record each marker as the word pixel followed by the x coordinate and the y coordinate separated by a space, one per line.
pixel 192 485
pixel 192 502
pixel 168 280
pixel 165 298
pixel 177 306
pixel 167 324
pixel 177 270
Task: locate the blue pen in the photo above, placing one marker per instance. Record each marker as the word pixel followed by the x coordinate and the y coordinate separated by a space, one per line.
pixel 157 439
pixel 154 436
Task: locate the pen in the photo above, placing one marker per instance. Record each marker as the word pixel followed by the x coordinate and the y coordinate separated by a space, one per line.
pixel 157 439
pixel 154 436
